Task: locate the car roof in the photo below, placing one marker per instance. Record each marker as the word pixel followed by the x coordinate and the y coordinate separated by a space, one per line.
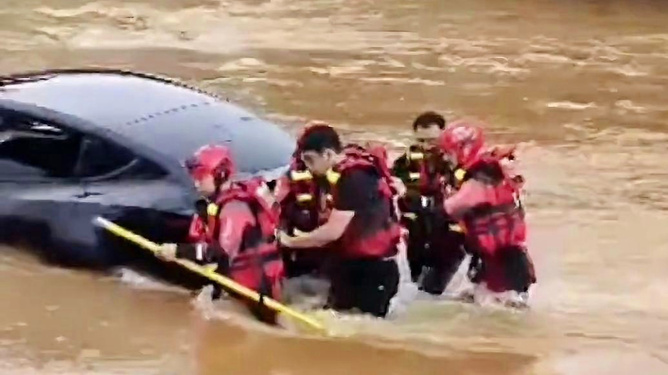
pixel 160 113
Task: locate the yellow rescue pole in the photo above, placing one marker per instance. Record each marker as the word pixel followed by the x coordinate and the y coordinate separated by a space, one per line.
pixel 209 274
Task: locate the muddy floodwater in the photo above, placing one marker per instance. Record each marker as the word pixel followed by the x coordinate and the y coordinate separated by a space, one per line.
pixel 582 85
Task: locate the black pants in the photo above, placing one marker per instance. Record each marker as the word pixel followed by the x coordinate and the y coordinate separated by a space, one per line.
pixel 510 268
pixel 433 255
pixel 364 284
pixel 312 261
pixel 417 248
pixel 445 256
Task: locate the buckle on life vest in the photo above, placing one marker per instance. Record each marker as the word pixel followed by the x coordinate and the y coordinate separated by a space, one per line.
pixel 332 177
pixel 212 209
pixel 459 174
pixel 409 215
pixel 414 175
pixel 415 156
pixel 304 197
pixel 300 175
pixel 456 228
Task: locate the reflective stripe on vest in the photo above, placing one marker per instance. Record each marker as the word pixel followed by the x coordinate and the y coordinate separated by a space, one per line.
pixel 304 197
pixel 415 156
pixel 414 175
pixel 300 175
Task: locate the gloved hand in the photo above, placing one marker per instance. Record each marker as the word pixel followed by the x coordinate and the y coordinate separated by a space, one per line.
pixel 167 252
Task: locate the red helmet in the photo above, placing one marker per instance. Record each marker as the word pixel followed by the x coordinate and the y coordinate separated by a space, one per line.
pixel 211 160
pixel 464 140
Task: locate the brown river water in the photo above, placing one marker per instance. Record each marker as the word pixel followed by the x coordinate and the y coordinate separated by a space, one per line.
pixel 581 84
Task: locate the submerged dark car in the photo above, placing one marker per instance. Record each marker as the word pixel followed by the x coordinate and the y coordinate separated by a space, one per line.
pixel 80 143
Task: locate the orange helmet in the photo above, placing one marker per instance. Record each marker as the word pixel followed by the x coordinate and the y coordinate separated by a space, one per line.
pixel 214 160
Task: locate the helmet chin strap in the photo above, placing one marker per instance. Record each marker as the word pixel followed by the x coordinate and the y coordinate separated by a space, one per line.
pixel 218 182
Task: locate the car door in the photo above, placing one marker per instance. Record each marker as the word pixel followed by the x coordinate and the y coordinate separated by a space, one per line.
pixel 133 190
pixel 37 161
pixel 113 175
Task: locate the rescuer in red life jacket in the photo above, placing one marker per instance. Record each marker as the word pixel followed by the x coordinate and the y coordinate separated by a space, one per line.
pixel 488 205
pixel 435 244
pixel 237 230
pixel 365 275
pixel 305 203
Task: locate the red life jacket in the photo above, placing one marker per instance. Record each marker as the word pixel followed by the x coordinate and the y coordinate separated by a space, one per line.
pixel 497 228
pixel 498 222
pixel 378 150
pixel 381 232
pixel 359 156
pixel 258 264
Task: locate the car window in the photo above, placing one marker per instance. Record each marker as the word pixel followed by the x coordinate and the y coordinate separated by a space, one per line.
pixel 31 149
pixel 100 157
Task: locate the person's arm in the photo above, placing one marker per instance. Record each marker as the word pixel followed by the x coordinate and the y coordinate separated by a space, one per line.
pixel 353 192
pixel 460 203
pixel 192 251
pixel 331 231
pixel 234 218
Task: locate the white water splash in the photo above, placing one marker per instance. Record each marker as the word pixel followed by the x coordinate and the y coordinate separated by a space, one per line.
pixel 141 281
pixel 407 289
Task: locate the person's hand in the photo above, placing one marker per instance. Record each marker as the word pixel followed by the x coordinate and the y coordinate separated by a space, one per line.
pixel 167 252
pixel 399 186
pixel 284 239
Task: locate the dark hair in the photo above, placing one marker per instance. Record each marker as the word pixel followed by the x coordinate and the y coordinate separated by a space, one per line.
pixel 318 138
pixel 428 119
